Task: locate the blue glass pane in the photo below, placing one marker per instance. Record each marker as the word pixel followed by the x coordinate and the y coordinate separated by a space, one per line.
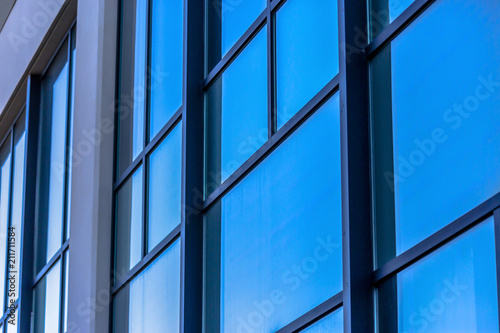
pixel 236 17
pixel 166 62
pixel 445 115
pixel 396 7
pixel 152 301
pixel 333 323
pixel 280 232
pixel 453 290
pixel 164 209
pixel 307 53
pixel 5 174
pixel 129 216
pixel 237 123
pixel 47 301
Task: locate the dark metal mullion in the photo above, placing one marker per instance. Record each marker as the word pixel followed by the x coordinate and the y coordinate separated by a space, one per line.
pixel 284 132
pixel 496 216
pixel 397 26
pixel 437 240
pixel 314 315
pixel 271 129
pixel 9 216
pixel 149 258
pixel 169 126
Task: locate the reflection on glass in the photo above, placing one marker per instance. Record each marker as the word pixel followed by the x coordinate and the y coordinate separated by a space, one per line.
pixel 332 323
pixel 151 303
pixel 307 53
pixel 452 290
pixel 132 98
pixel 5 162
pixel 252 235
pixel 166 62
pixel 384 12
pixel 66 282
pixel 237 112
pixel 129 216
pixel 164 187
pixel 227 22
pixel 47 302
pixel 445 120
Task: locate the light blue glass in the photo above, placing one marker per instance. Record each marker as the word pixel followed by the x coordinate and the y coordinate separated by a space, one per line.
pixel 445 107
pixel 307 53
pixel 47 303
pixel 236 17
pixel 333 323
pixel 151 303
pixel 237 117
pixel 452 290
pixel 166 62
pixel 281 252
pixel 164 198
pixel 396 7
pixel 11 325
pixel 129 217
pixel 5 174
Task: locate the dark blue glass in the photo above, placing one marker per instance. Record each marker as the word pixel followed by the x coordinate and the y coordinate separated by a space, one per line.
pixel 280 231
pixel 164 199
pixel 444 81
pixel 237 123
pixel 452 290
pixel 307 53
pixel 151 303
pixel 167 51
pixel 333 323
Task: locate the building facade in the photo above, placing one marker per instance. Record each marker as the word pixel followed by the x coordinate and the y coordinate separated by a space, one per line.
pixel 249 166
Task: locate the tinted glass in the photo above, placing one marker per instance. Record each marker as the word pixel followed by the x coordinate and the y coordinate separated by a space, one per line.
pixel 267 277
pixel 333 323
pixel 227 22
pixel 307 52
pixel 52 158
pixel 47 301
pixel 151 303
pixel 166 62
pixel 445 120
pixel 132 98
pixel 129 216
pixel 164 187
pixel 384 12
pixel 237 112
pixel 5 172
pixel 72 157
pixel 452 290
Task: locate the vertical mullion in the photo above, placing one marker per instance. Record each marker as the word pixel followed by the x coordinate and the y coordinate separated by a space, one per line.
pixel 270 72
pixel 9 217
pixel 28 216
pixel 496 217
pixel 191 302
pixel 356 190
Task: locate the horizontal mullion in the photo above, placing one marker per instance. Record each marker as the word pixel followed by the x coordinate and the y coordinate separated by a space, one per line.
pixel 314 315
pixel 148 259
pixel 48 266
pixel 149 147
pixel 235 50
pixel 273 142
pixel 397 26
pixel 437 240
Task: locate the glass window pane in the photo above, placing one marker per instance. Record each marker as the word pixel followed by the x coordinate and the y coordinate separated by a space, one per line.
pixel 52 158
pixel 66 283
pixel 164 187
pixel 262 286
pixel 47 301
pixel 332 323
pixel 11 323
pixel 307 53
pixel 237 117
pixel 132 99
pixel 151 303
pixel 384 12
pixel 129 217
pixel 5 174
pixel 444 119
pixel 451 290
pixel 227 22
pixel 70 129
pixel 166 62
